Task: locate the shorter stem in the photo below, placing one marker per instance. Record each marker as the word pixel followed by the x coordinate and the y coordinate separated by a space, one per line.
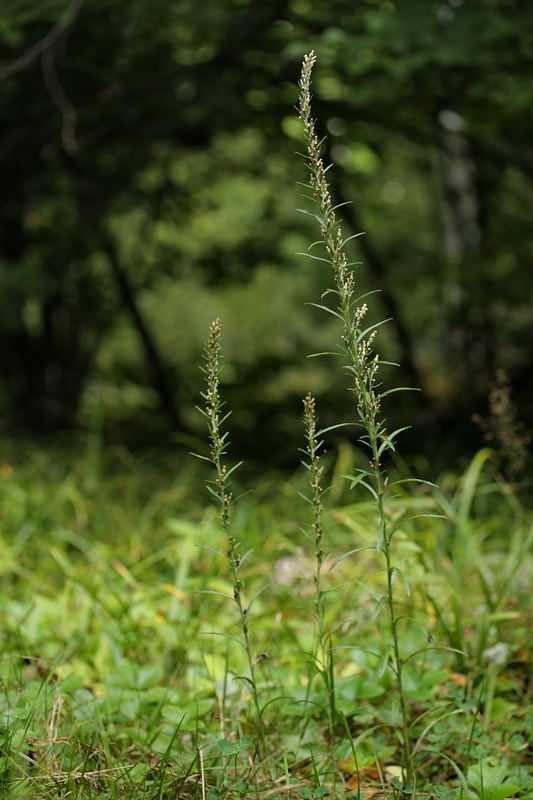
pixel 212 412
pixel 398 664
pixel 324 648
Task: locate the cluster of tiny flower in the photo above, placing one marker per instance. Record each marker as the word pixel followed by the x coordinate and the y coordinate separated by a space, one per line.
pixel 363 364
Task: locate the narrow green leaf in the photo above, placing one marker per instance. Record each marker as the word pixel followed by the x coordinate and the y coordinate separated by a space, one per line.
pixel 413 480
pixel 416 516
pixel 315 258
pixel 355 479
pixel 349 553
pixel 395 433
pixel 386 445
pixel 210 549
pixel 365 295
pixel 405 582
pixel 349 239
pixel 257 594
pixel 345 203
pixel 325 308
pixel 378 608
pixel 322 431
pixel 316 355
pixel 384 661
pixel 370 489
pixel 225 636
pixel 393 573
pixel 310 214
pixel 371 328
pixel 236 466
pixel 203 458
pixel 381 535
pixel 434 647
pixel 400 389
pixel 362 472
pixel 388 441
pixel 245 679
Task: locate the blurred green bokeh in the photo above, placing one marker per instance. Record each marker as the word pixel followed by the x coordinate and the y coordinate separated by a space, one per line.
pixel 148 183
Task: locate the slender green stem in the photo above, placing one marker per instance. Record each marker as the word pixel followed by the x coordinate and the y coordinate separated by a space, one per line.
pixel 362 366
pixel 324 657
pixel 393 621
pixel 220 489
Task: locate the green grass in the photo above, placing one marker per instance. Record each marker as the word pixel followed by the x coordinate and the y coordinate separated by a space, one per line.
pixel 115 681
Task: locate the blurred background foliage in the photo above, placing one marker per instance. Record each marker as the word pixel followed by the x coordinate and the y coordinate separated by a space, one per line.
pixel 148 183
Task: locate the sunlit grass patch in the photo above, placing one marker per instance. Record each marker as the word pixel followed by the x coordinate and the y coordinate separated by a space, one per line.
pixel 111 679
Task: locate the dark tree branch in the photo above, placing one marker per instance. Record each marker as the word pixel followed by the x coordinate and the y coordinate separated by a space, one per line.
pixel 60 99
pixel 46 43
pixel 151 352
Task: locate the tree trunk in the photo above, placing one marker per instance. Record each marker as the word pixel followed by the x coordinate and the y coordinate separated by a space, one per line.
pixel 151 352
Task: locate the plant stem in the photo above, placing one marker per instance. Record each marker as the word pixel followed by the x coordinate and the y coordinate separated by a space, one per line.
pixel 324 661
pixel 393 621
pixel 362 366
pixel 220 489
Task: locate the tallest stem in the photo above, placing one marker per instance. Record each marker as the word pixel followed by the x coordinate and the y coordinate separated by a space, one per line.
pixel 362 365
